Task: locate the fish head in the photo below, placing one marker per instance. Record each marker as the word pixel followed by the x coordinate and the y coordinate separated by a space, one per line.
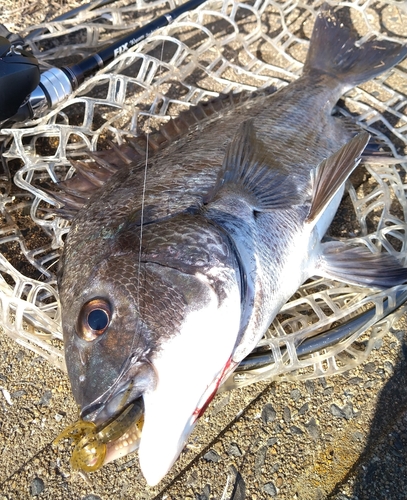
pixel 155 326
pixel 107 343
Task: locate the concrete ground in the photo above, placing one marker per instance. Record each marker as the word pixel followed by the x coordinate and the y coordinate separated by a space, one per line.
pixel 340 438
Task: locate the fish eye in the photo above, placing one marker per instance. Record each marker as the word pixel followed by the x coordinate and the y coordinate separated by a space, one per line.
pixel 94 319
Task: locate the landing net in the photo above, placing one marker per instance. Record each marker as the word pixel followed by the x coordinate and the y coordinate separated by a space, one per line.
pixel 220 47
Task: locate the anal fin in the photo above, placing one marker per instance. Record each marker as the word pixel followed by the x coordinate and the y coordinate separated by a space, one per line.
pixel 330 175
pixel 358 266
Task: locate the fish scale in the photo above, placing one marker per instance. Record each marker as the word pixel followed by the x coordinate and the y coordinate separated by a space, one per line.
pixel 186 256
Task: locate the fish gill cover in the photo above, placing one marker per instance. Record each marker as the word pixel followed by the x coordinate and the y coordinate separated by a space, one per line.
pixel 221 47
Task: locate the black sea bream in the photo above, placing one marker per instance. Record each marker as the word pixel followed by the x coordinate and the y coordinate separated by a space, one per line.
pixel 175 268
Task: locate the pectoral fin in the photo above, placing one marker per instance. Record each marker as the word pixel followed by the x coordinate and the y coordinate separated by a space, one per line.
pixel 247 169
pixel 357 265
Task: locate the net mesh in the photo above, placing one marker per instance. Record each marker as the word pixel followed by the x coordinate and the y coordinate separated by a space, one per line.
pixel 220 47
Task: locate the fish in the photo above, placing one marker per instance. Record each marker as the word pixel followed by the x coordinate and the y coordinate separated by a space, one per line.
pixel 176 264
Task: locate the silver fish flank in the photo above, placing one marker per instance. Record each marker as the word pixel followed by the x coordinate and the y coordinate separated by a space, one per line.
pixel 174 269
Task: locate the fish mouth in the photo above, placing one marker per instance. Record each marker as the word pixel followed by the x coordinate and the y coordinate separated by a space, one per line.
pixel 122 434
pixel 110 426
pixel 117 425
pixel 99 444
pixel 112 423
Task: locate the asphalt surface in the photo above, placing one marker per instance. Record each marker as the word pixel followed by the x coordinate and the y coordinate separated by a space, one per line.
pixel 339 438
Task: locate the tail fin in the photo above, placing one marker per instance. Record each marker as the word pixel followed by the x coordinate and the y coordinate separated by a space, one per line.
pixel 333 51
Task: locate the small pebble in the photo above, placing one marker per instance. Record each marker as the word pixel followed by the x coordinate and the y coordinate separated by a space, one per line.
pixel 345 412
pixel 323 382
pixel 309 385
pixel 272 441
pixel 357 436
pixel 356 380
pixel 260 459
pixel 234 450
pixel 20 355
pixel 370 367
pixel 211 456
pixel 270 489
pixel 192 479
pixel 304 408
pixel 18 394
pixel 336 411
pixel 268 414
pixel 287 415
pixel 91 497
pixel 6 395
pixel 277 428
pixel 378 344
pixel 388 367
pixel 348 411
pixel 45 399
pixel 295 395
pixel 205 493
pixel 36 487
pixel 313 428
pixel 274 468
pixel 221 404
pixel 239 488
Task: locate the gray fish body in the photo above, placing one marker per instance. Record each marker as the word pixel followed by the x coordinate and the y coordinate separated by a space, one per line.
pixel 181 176
pixel 202 244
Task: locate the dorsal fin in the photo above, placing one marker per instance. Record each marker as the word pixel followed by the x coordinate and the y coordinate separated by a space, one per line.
pixel 265 186
pixel 331 173
pixel 91 176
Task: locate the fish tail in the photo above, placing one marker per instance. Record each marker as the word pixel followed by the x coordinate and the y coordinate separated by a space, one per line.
pixel 333 51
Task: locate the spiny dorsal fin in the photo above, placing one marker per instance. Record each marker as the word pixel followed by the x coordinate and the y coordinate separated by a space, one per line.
pixel 330 174
pixel 247 167
pixel 182 124
pixel 91 176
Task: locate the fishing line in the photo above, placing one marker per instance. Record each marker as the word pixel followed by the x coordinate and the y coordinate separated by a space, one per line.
pixel 143 197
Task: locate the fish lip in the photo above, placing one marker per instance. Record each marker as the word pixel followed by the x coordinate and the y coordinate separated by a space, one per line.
pixel 124 436
pixel 138 405
pixel 90 410
pixel 102 412
pixel 129 386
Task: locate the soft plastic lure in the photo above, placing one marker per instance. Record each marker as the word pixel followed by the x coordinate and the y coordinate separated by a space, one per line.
pixel 92 445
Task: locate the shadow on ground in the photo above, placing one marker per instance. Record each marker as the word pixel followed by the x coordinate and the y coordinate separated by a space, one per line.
pixel 380 473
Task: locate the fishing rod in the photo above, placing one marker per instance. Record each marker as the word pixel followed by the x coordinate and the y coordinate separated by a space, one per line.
pixel 26 94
